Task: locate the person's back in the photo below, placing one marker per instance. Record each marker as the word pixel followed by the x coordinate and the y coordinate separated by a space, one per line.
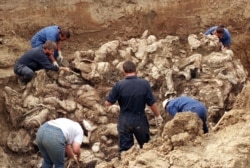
pixel 48 33
pixel 185 104
pixel 133 94
pixel 71 129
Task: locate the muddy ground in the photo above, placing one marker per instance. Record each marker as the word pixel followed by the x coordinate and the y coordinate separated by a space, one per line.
pixel 93 23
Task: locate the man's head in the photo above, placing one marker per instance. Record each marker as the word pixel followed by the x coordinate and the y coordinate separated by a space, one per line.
pixel 64 34
pixel 219 32
pixel 49 47
pixel 129 67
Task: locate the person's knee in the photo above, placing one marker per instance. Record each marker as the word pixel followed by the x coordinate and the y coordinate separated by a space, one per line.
pixel 15 71
pixel 31 74
pixel 28 77
pixel 18 69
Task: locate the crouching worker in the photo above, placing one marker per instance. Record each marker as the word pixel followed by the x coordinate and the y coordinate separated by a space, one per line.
pixel 55 34
pixel 223 34
pixel 34 60
pixel 55 137
pixel 185 104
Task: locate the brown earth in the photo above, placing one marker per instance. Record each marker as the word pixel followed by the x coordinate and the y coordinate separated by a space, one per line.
pixel 93 23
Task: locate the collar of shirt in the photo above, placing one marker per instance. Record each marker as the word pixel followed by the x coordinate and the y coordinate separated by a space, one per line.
pixel 131 77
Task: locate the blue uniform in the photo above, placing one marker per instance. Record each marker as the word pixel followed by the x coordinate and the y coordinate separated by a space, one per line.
pixel 184 104
pixel 226 38
pixel 33 60
pixel 48 33
pixel 132 94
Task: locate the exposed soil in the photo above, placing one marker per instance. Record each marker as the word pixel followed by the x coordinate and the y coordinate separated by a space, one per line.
pixel 94 23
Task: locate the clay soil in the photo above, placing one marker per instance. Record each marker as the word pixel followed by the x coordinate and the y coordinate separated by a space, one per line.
pixel 92 23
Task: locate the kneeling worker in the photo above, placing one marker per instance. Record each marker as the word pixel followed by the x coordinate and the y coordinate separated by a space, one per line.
pixel 36 59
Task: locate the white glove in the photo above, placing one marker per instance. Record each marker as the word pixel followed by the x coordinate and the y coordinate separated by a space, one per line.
pixel 55 63
pixel 158 120
pixel 60 57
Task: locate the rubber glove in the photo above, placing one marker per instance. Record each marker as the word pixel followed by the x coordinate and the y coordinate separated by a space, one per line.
pixel 55 63
pixel 60 57
pixel 158 120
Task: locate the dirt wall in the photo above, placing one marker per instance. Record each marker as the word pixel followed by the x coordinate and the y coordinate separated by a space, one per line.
pixel 94 22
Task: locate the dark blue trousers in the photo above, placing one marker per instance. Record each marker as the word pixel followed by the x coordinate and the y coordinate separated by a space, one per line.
pixel 130 126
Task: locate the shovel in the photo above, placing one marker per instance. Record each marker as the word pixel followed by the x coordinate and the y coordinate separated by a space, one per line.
pixel 218 123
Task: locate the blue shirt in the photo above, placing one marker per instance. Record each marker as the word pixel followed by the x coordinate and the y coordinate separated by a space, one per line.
pixel 184 104
pixel 48 33
pixel 36 59
pixel 132 94
pixel 226 38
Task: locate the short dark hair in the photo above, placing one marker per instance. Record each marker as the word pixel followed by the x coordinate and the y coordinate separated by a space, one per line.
pixel 64 33
pixel 80 122
pixel 49 45
pixel 129 66
pixel 220 29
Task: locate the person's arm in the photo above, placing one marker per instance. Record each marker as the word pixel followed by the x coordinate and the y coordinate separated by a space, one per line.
pixel 53 60
pixel 76 149
pixel 210 30
pixel 150 99
pixel 112 97
pixel 69 151
pixel 107 103
pixel 51 57
pixel 73 149
pixel 60 56
pixel 155 109
pixel 58 45
pixel 158 117
pixel 46 64
pixel 226 43
pixel 53 36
